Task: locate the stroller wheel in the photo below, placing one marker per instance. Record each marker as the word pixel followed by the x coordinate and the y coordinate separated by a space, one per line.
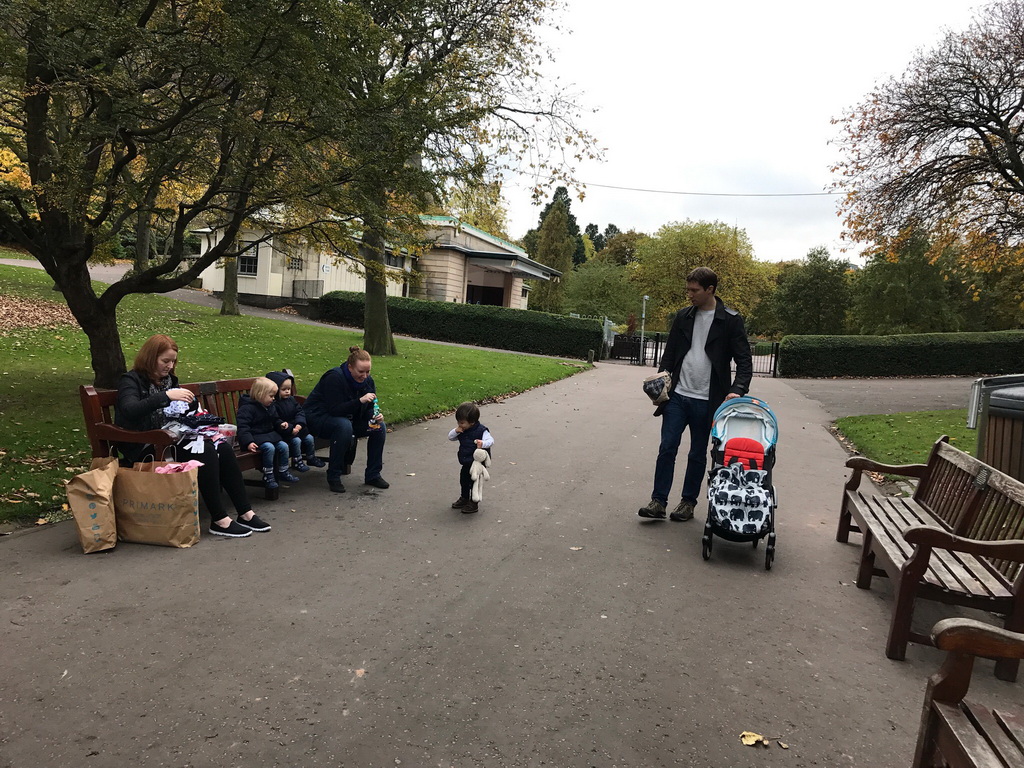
pixel 769 556
pixel 705 549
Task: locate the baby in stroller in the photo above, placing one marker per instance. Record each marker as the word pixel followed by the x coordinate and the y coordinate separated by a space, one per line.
pixel 741 496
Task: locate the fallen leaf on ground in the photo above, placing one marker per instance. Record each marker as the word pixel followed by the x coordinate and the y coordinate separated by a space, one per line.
pixel 410 474
pixel 575 549
pixel 42 521
pixel 784 746
pixel 750 738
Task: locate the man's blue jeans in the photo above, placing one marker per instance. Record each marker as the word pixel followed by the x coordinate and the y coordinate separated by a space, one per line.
pixel 682 412
pixel 268 450
pixel 340 430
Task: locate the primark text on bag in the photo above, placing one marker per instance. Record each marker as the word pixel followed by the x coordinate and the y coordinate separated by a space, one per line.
pixel 157 508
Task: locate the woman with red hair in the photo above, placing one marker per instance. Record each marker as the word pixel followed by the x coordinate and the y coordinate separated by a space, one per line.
pixel 142 395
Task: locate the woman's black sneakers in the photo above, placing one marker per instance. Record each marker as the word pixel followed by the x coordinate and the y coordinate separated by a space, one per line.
pixel 233 530
pixel 254 524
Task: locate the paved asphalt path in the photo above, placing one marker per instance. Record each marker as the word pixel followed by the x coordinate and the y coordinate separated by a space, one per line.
pixel 554 628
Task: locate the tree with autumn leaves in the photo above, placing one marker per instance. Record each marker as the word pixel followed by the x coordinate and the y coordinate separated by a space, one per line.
pixel 940 150
pixel 332 122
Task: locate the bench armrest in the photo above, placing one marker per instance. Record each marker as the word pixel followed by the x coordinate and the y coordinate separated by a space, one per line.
pixel 977 639
pixel 864 464
pixel 118 435
pixel 936 538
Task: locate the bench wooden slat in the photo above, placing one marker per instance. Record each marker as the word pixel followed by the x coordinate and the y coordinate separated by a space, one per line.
pixel 1004 730
pixel 1012 723
pixel 961 742
pixel 947 571
pixel 966 507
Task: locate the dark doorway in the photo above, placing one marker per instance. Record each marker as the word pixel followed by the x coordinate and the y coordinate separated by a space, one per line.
pixel 485 294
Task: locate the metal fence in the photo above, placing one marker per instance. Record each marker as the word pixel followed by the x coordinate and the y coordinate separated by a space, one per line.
pixel 648 350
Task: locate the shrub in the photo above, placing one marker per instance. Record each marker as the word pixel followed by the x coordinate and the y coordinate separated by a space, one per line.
pixel 521 330
pixel 919 354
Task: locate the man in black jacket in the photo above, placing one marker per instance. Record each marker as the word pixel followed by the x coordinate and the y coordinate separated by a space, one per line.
pixel 704 341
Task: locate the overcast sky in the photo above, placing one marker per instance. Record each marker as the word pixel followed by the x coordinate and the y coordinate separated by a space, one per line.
pixel 730 97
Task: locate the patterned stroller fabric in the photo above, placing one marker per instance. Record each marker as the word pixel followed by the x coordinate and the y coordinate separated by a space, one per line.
pixel 741 495
pixel 739 500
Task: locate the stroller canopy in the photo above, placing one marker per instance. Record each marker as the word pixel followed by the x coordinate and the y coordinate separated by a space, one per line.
pixel 745 417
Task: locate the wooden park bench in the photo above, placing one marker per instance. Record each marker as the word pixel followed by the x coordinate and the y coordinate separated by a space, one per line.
pixel 962 733
pixel 219 397
pixel 958 540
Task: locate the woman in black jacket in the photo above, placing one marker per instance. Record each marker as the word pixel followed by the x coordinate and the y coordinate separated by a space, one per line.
pixel 340 407
pixel 142 394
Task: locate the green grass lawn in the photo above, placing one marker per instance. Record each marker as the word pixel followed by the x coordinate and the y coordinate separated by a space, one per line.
pixel 44 441
pixel 906 438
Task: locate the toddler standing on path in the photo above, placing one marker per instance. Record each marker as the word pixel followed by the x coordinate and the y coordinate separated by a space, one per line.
pixel 471 434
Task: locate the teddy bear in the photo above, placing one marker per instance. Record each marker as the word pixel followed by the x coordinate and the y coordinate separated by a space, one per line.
pixel 478 473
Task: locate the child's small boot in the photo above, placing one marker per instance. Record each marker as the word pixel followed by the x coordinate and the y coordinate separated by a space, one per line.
pixel 284 476
pixel 315 461
pixel 269 480
pixel 299 465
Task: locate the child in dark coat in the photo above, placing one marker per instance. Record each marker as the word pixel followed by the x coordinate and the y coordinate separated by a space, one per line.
pixel 470 434
pixel 259 429
pixel 300 441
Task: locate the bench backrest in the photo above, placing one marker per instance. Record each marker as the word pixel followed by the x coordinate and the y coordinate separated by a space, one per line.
pixel 973 500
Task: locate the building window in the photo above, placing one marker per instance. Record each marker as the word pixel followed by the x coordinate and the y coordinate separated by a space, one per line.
pixel 295 262
pixel 392 260
pixel 249 259
pixel 526 291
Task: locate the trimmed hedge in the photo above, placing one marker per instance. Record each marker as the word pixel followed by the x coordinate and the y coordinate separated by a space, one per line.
pixel 521 330
pixel 919 354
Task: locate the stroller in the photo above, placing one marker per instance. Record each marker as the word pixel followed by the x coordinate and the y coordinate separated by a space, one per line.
pixel 741 497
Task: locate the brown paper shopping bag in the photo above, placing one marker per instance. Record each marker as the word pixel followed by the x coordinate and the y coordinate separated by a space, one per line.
pixel 91 498
pixel 154 508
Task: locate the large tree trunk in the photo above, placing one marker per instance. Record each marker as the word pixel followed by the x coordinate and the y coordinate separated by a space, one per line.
pixel 108 361
pixel 229 298
pixel 98 320
pixel 377 338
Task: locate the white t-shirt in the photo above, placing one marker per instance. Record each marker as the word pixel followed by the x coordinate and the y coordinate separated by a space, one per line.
pixel 695 374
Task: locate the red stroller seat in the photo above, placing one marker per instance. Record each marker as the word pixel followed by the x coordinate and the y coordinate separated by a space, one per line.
pixel 745 450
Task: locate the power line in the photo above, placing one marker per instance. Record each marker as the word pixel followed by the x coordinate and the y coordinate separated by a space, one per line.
pixel 708 194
